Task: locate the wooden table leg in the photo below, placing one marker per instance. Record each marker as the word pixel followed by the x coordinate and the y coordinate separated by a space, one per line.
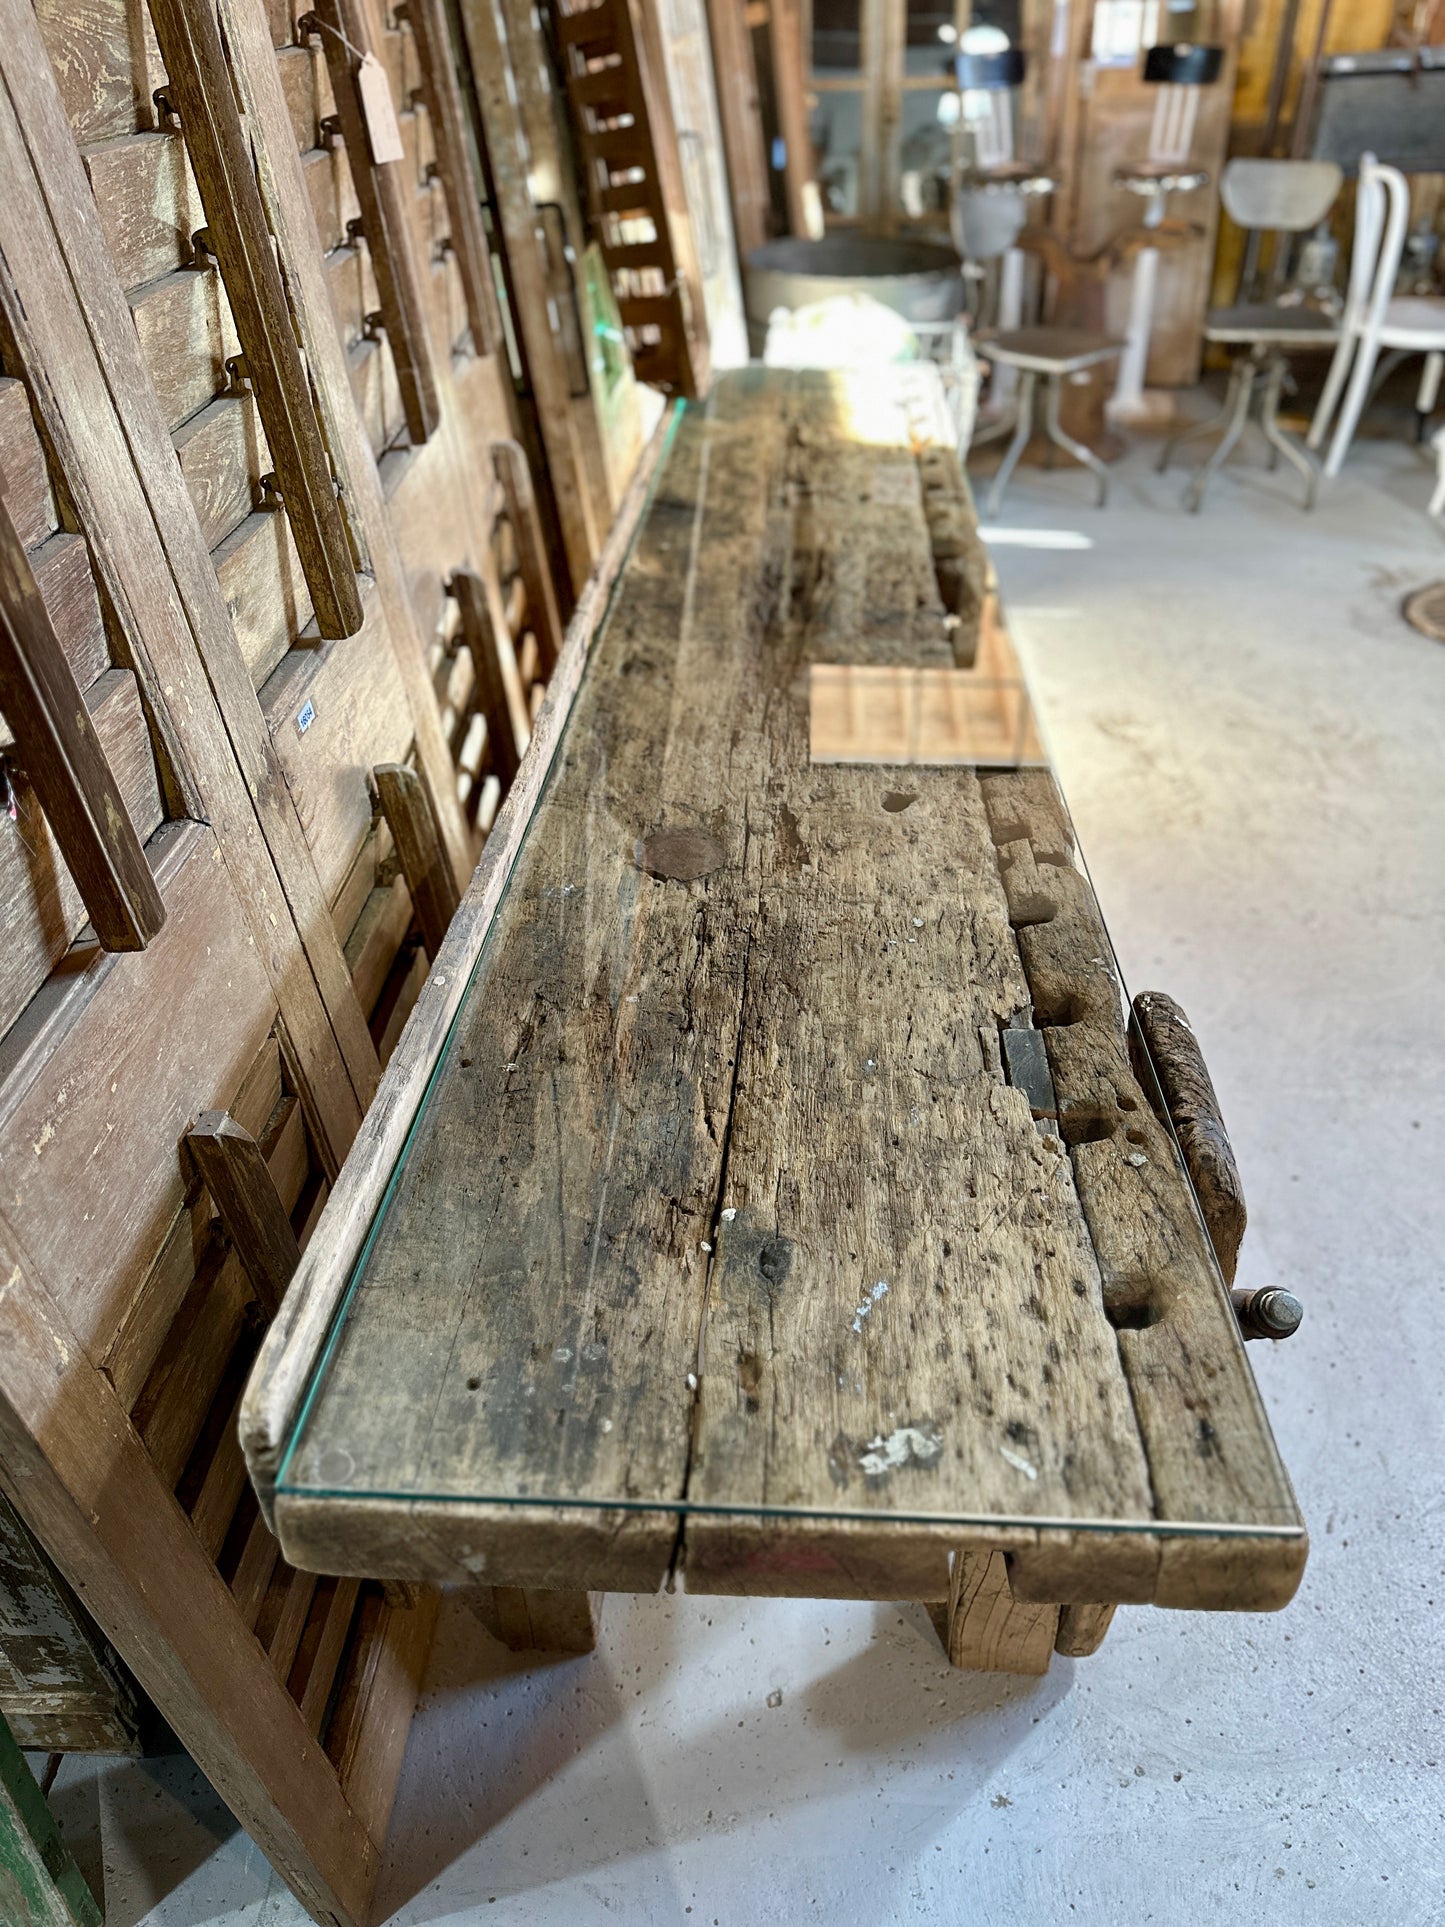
pixel 529 1620
pixel 989 1631
pixel 1082 1630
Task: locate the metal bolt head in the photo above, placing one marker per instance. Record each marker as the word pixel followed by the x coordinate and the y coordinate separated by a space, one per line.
pixel 1268 1312
pixel 1280 1312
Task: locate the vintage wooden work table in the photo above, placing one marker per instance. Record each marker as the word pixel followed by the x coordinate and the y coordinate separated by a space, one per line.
pixel 763 1193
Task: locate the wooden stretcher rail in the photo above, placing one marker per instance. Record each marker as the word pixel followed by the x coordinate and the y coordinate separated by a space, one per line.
pixel 284 1367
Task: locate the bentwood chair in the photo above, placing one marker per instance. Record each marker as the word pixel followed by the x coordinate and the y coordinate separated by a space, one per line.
pixel 1376 317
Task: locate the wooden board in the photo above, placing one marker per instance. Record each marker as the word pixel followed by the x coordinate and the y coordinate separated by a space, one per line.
pixel 724 1234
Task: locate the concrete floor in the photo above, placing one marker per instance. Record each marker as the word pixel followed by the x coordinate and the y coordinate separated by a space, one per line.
pixel 1251 741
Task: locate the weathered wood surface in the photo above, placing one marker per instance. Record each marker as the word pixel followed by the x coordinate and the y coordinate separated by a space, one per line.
pixel 62 1688
pixel 278 1385
pixel 61 753
pixel 203 91
pixel 1186 1097
pixel 723 1235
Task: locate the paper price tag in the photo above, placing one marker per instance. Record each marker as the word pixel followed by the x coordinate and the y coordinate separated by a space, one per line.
pixel 378 111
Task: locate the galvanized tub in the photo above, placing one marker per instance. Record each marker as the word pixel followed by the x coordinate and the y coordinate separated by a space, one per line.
pixel 920 280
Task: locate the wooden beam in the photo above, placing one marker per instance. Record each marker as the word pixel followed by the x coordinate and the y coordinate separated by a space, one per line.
pixel 453 161
pixel 529 1620
pixel 989 1631
pixel 384 215
pixel 1185 1092
pixel 46 709
pixel 785 36
pixel 233 1169
pixel 742 121
pixel 412 821
pixel 203 93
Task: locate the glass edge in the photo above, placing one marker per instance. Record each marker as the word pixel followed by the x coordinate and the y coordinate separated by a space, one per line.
pixel 316 1378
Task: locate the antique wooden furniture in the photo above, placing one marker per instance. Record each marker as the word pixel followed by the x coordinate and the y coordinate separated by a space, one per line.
pixel 259 457
pixel 763 1192
pixel 627 141
pixel 40 1884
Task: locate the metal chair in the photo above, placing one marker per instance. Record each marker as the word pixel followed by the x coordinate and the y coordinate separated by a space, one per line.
pixel 1283 198
pixel 1375 317
pixel 986 226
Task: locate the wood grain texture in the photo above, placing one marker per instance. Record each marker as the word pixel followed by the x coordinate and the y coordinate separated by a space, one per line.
pixel 45 910
pixel 1172 1056
pixel 722 1199
pixel 61 565
pixel 202 90
pixel 506 153
pixel 1082 1630
pixel 60 1682
pixel 256 1220
pixel 71 775
pixel 413 825
pixel 87 373
pixel 539 1622
pixel 989 1631
pixel 384 216
pixel 284 1367
pixel 149 206
pixel 430 29
pixel 479 631
pixel 83 1482
pixel 284 184
pixel 28 494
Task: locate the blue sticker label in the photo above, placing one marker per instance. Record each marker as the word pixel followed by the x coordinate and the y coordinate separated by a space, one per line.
pixel 306 718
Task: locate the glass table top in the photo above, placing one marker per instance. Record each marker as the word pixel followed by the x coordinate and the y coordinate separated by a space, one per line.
pixel 793 1153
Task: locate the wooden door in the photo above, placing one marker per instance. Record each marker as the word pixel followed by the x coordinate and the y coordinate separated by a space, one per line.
pixel 186 428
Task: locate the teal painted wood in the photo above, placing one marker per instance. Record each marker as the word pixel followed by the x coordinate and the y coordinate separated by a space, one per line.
pixel 40 1884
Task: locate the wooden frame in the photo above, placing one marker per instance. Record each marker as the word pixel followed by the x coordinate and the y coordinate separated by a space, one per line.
pixel 735 71
pixel 202 93
pixel 346 37
pixel 505 145
pixel 118 1390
